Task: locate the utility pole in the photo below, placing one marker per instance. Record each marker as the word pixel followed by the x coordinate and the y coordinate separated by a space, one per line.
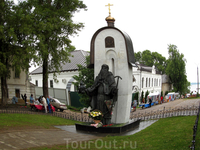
pixel 197 79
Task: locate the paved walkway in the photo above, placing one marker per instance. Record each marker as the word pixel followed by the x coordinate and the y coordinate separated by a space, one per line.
pixel 172 104
pixel 14 140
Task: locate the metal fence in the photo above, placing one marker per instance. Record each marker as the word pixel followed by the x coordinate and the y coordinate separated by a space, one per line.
pixel 195 130
pixel 165 113
pixel 66 115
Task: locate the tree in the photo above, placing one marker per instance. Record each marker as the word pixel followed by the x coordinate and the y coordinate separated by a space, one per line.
pixel 13 43
pixel 86 76
pixel 159 62
pixel 52 25
pixel 142 96
pixel 138 56
pixel 176 70
pixel 149 58
pixel 146 95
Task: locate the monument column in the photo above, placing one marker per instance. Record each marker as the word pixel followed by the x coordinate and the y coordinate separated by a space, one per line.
pixel 113 47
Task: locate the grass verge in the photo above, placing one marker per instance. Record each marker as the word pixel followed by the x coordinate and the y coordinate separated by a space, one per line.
pixel 31 120
pixel 170 133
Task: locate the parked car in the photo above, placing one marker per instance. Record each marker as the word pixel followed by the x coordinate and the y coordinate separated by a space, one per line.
pixel 38 106
pixel 57 104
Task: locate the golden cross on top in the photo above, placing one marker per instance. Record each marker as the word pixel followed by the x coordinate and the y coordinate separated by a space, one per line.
pixel 109 6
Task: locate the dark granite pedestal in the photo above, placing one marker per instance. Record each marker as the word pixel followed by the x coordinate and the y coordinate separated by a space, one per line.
pixel 109 129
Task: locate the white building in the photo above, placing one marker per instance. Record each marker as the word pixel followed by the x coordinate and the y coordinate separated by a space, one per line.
pixel 64 79
pixel 146 78
pixel 18 84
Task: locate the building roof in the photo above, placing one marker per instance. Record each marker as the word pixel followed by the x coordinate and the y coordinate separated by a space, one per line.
pixel 78 57
pixel 143 67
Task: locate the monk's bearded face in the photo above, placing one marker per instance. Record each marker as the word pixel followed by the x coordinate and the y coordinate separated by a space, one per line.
pixel 104 72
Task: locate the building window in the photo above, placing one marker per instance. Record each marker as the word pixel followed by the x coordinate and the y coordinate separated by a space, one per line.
pixel 149 82
pixel 146 82
pixel 17 93
pixel 36 82
pixel 17 74
pixel 51 83
pixel 109 42
pixel 142 82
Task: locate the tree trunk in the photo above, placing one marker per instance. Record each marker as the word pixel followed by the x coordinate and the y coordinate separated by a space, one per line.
pixel 4 91
pixel 45 77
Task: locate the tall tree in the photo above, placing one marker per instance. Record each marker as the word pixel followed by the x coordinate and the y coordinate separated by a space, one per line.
pixel 176 69
pixel 52 25
pixel 149 58
pixel 86 76
pixel 159 61
pixel 12 44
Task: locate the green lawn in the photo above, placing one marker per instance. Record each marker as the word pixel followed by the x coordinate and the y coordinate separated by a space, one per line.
pixel 166 134
pixel 43 121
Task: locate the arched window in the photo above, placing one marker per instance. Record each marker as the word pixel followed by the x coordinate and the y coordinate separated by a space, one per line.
pixel 142 82
pixel 149 82
pixel 146 82
pixel 109 42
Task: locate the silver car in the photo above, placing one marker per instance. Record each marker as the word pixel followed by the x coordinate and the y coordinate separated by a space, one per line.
pixel 57 104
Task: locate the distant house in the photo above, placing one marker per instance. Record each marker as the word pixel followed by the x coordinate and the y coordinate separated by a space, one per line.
pixel 166 84
pixel 65 78
pixel 18 85
pixel 146 78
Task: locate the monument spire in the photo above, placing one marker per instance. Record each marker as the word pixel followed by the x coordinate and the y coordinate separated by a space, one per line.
pixel 110 20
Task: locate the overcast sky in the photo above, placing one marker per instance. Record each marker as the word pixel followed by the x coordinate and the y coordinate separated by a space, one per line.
pixel 151 24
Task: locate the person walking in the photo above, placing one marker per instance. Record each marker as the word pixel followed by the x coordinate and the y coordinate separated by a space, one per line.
pixel 31 99
pixel 49 106
pixel 134 105
pixel 150 101
pixel 44 103
pixel 25 98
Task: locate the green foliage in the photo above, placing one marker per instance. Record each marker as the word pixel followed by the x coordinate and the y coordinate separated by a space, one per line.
pixel 146 95
pixel 149 58
pixel 142 96
pixel 52 24
pixel 161 93
pixel 197 94
pixel 136 95
pixel 14 40
pixel 166 92
pixel 86 75
pixel 176 70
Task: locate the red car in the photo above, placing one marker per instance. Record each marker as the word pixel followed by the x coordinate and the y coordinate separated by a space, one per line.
pixel 40 107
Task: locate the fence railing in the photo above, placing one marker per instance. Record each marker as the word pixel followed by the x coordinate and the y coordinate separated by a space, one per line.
pixel 69 115
pixel 195 130
pixel 165 113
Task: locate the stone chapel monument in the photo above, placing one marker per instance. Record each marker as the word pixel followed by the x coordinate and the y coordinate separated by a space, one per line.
pixel 113 47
